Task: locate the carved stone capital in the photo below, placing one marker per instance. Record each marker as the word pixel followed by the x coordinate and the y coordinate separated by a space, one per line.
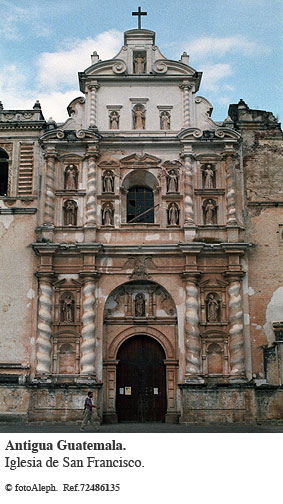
pixel 89 276
pixel 191 276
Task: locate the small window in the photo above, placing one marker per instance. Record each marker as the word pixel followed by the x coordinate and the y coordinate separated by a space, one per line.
pixel 3 173
pixel 140 205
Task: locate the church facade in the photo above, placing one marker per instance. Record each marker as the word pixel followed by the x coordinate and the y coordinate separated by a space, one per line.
pixel 141 248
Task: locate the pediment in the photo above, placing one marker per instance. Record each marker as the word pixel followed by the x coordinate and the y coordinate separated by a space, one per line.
pixel 110 164
pixel 172 164
pixel 67 283
pixel 140 160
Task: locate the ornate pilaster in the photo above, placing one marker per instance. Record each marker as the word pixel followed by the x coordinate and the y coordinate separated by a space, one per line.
pixel 44 345
pixel 93 100
pixel 230 185
pixel 89 330
pixel 49 204
pixel 236 331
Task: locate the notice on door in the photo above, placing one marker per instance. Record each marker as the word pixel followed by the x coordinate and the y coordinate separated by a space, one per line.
pixel 128 390
pixel 155 391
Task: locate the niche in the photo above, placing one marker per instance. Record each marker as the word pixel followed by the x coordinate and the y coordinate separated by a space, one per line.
pixel 67 359
pixel 214 359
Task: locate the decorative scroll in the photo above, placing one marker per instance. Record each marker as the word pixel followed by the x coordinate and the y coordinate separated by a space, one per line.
pixel 193 343
pixel 44 328
pixel 237 354
pixel 88 330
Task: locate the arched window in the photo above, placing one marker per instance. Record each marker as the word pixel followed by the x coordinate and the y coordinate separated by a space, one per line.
pixel 140 205
pixel 3 173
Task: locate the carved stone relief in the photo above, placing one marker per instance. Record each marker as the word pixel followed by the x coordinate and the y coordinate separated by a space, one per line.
pixel 107 214
pixel 213 308
pixel 108 181
pixel 209 212
pixel 67 308
pixel 139 300
pixel 71 178
pixel 172 180
pixel 70 213
pixel 208 176
pixel 173 214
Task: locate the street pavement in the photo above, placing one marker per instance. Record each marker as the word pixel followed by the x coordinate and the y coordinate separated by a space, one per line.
pixel 71 427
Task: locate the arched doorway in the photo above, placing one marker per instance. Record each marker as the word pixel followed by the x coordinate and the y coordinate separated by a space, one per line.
pixel 141 381
pixel 140 366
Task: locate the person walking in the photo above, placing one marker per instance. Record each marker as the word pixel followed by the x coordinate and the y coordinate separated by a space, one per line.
pixel 88 415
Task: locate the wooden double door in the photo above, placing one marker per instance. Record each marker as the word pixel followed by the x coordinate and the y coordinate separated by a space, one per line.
pixel 141 381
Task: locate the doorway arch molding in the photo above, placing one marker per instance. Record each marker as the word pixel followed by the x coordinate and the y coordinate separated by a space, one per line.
pixel 168 347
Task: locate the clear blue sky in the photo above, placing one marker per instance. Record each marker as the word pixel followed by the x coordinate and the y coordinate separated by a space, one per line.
pixel 236 43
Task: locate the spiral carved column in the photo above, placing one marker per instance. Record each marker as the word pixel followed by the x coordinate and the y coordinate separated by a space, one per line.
pixel 230 196
pixel 186 104
pixel 44 345
pixel 88 330
pixel 92 114
pixel 49 194
pixel 189 191
pixel 237 351
pixel 91 192
pixel 192 337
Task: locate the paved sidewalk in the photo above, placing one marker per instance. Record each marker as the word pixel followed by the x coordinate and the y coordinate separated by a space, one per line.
pixel 64 427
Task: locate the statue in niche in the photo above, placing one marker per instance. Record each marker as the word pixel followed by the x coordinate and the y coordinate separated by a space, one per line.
pixel 67 309
pixel 213 308
pixel 114 120
pixel 210 216
pixel 208 176
pixel 165 121
pixel 71 178
pixel 172 181
pixel 173 214
pixel 139 305
pixel 139 118
pixel 139 63
pixel 70 213
pixel 107 215
pixel 108 181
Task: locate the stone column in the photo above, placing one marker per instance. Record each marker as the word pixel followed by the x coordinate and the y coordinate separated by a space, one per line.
pixel 89 330
pixel 236 330
pixel 192 337
pixel 91 194
pixel 49 204
pixel 44 346
pixel 186 104
pixel 189 191
pixel 93 98
pixel 230 188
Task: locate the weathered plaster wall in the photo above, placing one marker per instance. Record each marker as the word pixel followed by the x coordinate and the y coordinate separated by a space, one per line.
pixel 18 301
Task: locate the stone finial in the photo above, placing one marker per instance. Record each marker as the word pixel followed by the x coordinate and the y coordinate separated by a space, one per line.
pixel 184 58
pixel 94 57
pixel 37 105
pixel 1 106
pixel 51 124
pixel 242 105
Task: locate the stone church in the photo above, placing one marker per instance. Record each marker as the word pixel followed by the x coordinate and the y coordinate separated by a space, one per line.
pixel 141 251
